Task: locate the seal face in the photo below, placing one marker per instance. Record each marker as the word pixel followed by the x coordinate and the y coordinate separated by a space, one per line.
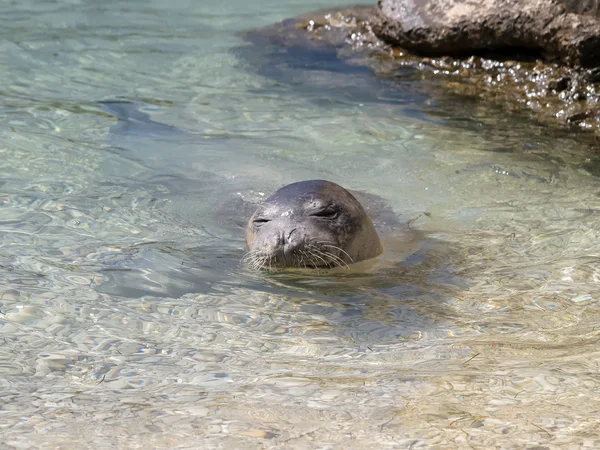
pixel 310 224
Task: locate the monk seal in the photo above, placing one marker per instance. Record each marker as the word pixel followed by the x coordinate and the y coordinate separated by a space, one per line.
pixel 310 224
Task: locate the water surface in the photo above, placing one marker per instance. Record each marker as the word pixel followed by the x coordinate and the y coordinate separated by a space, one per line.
pixel 127 321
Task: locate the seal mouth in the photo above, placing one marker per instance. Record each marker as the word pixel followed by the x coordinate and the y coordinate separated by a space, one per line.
pixel 318 255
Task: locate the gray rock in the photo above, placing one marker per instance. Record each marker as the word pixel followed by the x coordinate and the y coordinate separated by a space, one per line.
pixel 591 7
pixel 565 30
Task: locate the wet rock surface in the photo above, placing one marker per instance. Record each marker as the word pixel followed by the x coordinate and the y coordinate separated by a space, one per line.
pixel 551 92
pixel 550 28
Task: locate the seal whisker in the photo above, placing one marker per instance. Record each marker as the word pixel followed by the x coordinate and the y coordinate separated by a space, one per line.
pixel 249 258
pixel 315 264
pixel 340 249
pixel 255 259
pixel 313 253
pixel 250 255
pixel 309 255
pixel 334 258
pixel 339 261
pixel 302 258
pixel 330 255
pixel 259 263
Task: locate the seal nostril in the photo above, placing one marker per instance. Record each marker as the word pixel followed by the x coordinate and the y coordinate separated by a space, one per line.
pixel 289 236
pixel 291 243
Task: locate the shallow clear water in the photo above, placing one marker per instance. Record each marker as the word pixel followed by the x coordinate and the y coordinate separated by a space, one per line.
pixel 127 321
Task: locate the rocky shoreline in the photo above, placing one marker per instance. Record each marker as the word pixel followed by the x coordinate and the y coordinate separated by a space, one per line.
pixel 558 84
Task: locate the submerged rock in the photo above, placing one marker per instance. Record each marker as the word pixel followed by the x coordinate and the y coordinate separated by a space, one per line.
pixel 530 76
pixel 568 31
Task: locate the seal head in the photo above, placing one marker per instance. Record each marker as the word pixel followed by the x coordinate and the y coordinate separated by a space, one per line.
pixel 310 224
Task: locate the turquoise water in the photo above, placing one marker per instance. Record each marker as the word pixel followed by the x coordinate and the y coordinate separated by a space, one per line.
pixel 127 320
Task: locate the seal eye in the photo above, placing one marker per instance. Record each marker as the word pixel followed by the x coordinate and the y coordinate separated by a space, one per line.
pixel 326 214
pixel 260 221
